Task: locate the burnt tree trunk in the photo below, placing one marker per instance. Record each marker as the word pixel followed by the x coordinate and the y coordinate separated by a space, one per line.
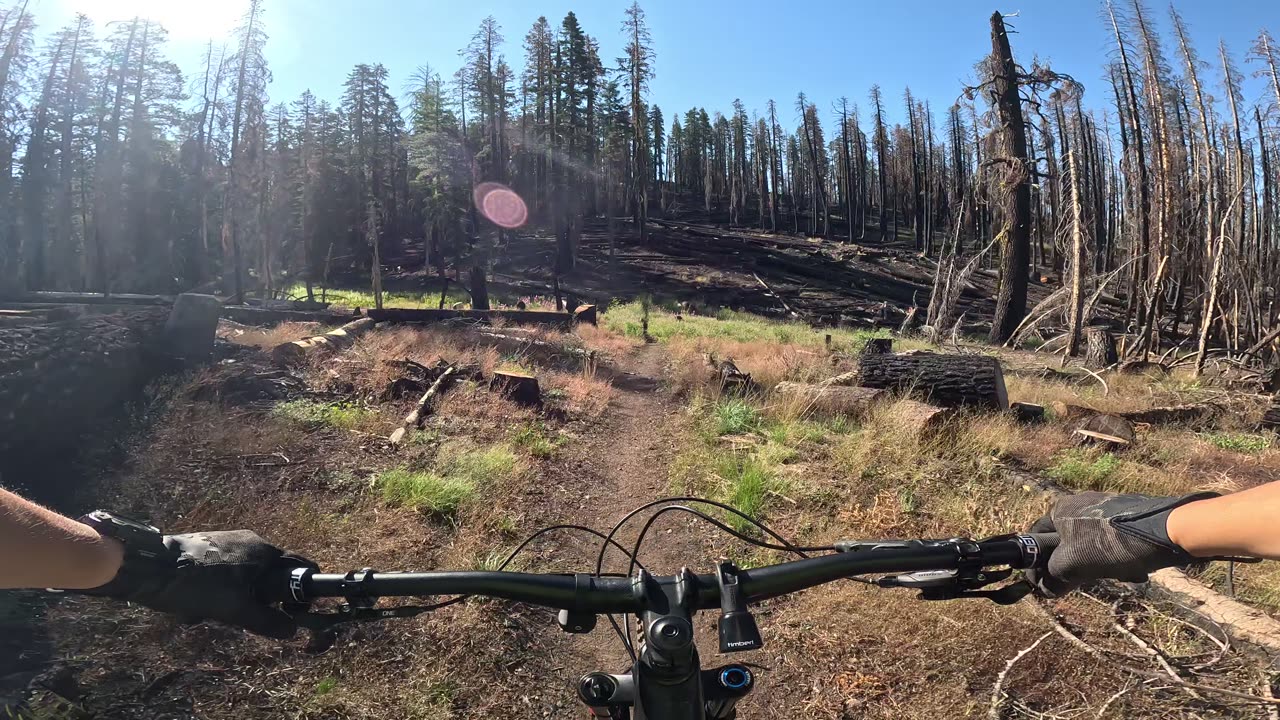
pixel 948 380
pixel 479 289
pixel 1014 195
pixel 1100 348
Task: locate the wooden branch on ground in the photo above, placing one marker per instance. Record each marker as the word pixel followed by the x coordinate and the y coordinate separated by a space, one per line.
pixel 774 294
pixel 422 408
pixel 830 400
pixel 297 350
pixel 997 690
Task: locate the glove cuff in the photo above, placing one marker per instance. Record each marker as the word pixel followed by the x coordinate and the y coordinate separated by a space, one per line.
pixel 1151 525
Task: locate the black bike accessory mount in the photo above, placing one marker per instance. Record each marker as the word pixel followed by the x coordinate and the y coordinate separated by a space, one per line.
pixel 576 622
pixel 969 576
pixel 738 629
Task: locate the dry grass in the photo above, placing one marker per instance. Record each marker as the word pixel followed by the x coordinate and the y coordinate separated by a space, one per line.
pixel 267 338
pixel 605 341
pixel 583 394
pixel 768 362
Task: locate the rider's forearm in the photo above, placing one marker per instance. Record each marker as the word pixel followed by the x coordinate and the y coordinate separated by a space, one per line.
pixel 42 549
pixel 1246 523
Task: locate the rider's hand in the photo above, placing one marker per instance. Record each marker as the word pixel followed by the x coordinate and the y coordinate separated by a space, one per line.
pixel 211 576
pixel 1123 537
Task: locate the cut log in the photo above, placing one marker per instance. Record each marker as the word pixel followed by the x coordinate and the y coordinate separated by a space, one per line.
pixel 918 418
pixel 422 409
pixel 294 352
pixel 585 314
pixel 830 400
pixel 1028 413
pixel 1175 414
pixel 1108 430
pixel 1100 348
pixel 947 380
pixel 76 298
pixel 1271 419
pixel 517 387
pixel 878 346
pixel 192 326
pixel 550 348
pixel 515 317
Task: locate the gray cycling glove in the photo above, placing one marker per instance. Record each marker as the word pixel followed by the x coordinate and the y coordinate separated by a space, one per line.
pixel 210 576
pixel 1122 537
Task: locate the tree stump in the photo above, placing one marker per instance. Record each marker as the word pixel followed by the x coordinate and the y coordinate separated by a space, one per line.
pixel 831 400
pixel 1100 348
pixel 192 326
pixel 947 380
pixel 1109 430
pixel 294 352
pixel 585 314
pixel 518 387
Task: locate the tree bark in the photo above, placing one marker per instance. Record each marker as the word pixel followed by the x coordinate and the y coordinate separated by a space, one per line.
pixel 1015 199
pixel 294 352
pixel 1100 349
pixel 948 380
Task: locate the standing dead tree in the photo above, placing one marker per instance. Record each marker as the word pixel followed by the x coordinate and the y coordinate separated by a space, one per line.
pixel 1004 88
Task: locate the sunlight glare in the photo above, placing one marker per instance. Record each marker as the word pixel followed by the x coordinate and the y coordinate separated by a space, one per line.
pixel 184 19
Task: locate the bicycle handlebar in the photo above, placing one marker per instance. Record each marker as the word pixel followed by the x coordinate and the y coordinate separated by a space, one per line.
pixel 607 595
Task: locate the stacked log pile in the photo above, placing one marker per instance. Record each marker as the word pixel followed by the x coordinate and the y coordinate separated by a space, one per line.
pixel 58 379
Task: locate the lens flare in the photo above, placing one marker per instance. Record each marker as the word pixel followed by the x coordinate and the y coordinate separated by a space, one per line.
pixel 501 205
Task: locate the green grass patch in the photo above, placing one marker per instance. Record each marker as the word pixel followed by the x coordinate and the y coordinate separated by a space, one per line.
pixel 628 319
pixel 345 416
pixel 537 440
pixel 735 416
pixel 326 686
pixel 425 491
pixel 745 484
pixel 349 297
pixel 1239 442
pixel 457 481
pixel 1076 469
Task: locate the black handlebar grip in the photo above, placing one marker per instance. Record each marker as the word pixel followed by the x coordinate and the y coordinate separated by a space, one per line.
pixel 1045 544
pixel 281 585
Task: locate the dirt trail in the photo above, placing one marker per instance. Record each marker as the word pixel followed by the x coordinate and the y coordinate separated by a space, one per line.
pixel 621 465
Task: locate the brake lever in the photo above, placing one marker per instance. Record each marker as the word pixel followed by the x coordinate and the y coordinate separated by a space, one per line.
pixel 952 585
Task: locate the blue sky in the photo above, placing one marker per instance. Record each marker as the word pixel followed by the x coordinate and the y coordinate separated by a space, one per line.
pixel 708 51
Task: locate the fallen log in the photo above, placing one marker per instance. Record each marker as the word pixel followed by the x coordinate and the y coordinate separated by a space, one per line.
pixel 518 387
pixel 1110 431
pixel 549 347
pixel 731 379
pixel 76 298
pixel 1174 414
pixel 877 346
pixel 297 350
pixel 947 380
pixel 267 316
pixel 1068 412
pixel 422 408
pixel 516 317
pixel 830 400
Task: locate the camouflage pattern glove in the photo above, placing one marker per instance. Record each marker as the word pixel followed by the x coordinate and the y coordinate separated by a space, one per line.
pixel 1122 537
